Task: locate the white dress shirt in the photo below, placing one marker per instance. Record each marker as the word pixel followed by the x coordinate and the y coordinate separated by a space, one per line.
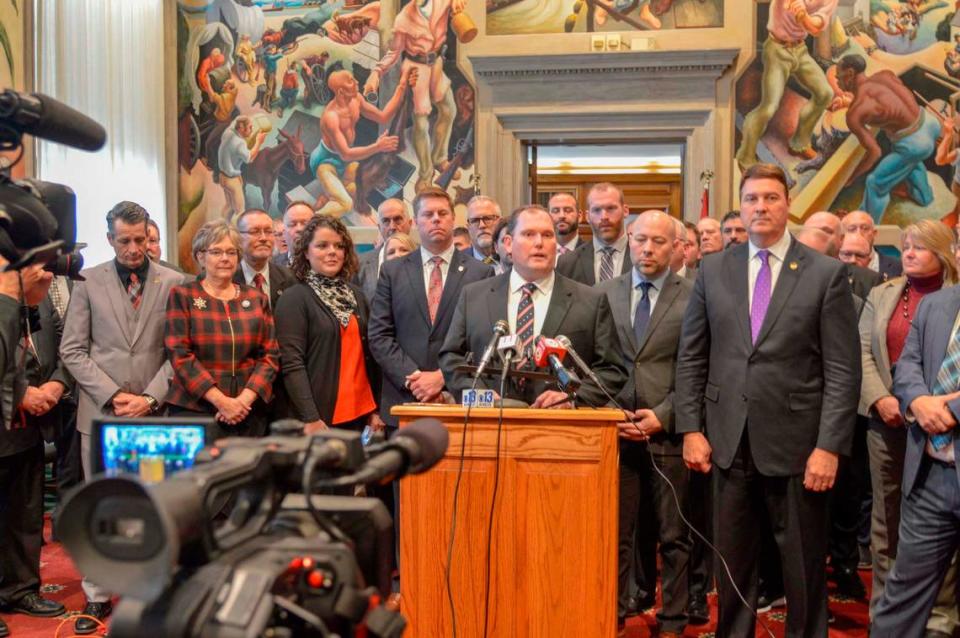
pixel 541 300
pixel 653 293
pixel 426 256
pixel 619 254
pixel 778 252
pixel 875 261
pixel 249 273
pixel 682 273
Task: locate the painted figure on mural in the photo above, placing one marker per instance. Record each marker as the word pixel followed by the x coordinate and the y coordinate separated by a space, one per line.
pixel 335 159
pixel 235 151
pixel 785 55
pixel 419 38
pixel 882 101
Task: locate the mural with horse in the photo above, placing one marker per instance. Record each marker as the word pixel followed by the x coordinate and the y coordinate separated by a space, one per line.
pixel 322 102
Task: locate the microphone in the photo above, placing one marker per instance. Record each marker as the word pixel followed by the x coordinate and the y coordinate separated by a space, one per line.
pixel 549 353
pixel 565 342
pixel 413 450
pixel 499 329
pixel 46 118
pixel 507 348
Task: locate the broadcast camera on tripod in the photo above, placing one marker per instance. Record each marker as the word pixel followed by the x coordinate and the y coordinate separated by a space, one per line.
pixel 240 545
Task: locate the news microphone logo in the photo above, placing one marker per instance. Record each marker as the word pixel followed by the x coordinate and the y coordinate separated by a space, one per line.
pixel 548 353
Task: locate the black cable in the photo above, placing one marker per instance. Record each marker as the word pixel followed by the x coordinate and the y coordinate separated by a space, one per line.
pixel 493 506
pixel 306 485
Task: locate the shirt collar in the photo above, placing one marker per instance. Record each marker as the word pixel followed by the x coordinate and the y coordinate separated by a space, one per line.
pixel 249 272
pixel 875 261
pixel 620 245
pixel 572 244
pixel 544 285
pixel 124 272
pixel 447 255
pixel 657 283
pixel 778 249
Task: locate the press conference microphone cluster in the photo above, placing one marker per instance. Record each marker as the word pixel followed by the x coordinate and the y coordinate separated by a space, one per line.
pixel 549 353
pixel 499 330
pixel 565 342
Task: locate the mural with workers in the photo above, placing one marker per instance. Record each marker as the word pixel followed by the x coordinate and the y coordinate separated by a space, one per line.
pixel 858 103
pixel 319 102
pixel 509 17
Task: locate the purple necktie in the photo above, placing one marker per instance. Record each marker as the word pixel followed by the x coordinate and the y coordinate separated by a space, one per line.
pixel 761 294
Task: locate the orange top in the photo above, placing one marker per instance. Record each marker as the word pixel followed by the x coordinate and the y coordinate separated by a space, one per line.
pixel 354 398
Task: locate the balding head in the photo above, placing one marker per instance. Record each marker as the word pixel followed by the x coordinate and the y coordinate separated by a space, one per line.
pixel 710 238
pixel 814 238
pixel 828 223
pixel 860 222
pixel 855 249
pixel 653 242
pixel 393 218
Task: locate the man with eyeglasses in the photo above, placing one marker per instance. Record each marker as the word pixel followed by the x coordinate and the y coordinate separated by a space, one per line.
pixel 113 346
pixel 855 250
pixel 861 223
pixel 392 217
pixel 483 213
pixel 295 218
pixel 255 269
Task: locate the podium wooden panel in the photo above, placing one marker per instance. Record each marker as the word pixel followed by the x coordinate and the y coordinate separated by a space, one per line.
pixel 554 551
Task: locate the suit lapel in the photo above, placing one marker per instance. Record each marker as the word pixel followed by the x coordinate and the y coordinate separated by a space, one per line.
pixel 499 293
pixel 413 267
pixel 150 296
pixel 451 287
pixel 671 288
pixel 620 307
pixel 885 305
pixel 735 267
pixel 790 272
pixel 276 284
pixel 560 302
pixel 941 335
pixel 118 299
pixel 585 263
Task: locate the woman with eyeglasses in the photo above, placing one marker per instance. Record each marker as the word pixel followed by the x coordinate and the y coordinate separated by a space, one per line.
pixel 328 372
pixel 220 340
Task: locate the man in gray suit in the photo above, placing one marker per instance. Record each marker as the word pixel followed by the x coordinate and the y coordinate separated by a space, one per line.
pixel 606 256
pixel 414 304
pixel 926 382
pixel 113 345
pixel 393 218
pixel 647 306
pixel 768 378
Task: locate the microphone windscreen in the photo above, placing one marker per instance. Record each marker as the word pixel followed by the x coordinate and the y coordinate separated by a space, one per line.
pixel 431 439
pixel 60 123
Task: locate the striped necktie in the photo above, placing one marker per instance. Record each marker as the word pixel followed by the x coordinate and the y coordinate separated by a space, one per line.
pixel 525 321
pixel 135 290
pixel 606 263
pixel 948 380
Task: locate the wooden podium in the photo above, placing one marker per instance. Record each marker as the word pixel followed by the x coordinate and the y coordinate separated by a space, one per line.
pixel 554 551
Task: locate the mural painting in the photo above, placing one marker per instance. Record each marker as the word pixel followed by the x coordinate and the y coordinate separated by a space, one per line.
pixel 511 17
pixel 283 101
pixel 12 58
pixel 857 101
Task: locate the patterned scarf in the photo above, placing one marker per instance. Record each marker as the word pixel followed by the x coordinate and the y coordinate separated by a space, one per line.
pixel 335 294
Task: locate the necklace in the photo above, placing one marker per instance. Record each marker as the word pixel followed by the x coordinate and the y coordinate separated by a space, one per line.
pixel 906 300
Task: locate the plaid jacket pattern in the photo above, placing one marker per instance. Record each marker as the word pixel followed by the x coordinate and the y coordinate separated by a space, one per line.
pixel 230 345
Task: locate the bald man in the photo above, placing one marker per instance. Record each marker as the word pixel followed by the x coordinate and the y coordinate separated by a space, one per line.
pixel 392 217
pixel 711 240
pixel 858 221
pixel 855 249
pixel 829 224
pixel 647 304
pixel 814 238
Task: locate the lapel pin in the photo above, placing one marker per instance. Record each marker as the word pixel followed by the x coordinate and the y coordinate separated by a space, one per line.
pixel 199 303
pixel 245 303
pixel 793 265
pixel 459 268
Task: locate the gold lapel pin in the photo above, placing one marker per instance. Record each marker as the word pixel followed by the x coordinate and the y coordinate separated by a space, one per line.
pixel 793 265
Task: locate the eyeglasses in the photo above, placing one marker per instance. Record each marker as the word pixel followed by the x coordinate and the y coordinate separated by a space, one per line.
pixel 216 253
pixel 258 232
pixel 486 220
pixel 849 254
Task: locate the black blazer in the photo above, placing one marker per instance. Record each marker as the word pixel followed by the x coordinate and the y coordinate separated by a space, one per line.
pixel 653 362
pixel 862 280
pixel 580 313
pixel 402 339
pixel 797 388
pixel 46 339
pixel 280 279
pixel 578 264
pixel 309 337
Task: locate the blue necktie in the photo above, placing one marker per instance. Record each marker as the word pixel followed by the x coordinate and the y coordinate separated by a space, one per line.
pixel 641 315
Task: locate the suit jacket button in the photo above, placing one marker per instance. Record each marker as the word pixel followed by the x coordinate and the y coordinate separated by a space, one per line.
pixel 743 397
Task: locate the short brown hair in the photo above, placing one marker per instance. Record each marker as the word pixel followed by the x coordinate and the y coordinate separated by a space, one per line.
pixel 431 192
pixel 514 218
pixel 765 171
pixel 604 186
pixel 301 266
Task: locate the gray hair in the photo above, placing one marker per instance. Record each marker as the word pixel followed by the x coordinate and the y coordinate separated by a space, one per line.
pixel 212 232
pixel 479 199
pixel 129 213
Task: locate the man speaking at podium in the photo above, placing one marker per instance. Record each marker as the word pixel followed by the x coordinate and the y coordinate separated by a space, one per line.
pixel 534 300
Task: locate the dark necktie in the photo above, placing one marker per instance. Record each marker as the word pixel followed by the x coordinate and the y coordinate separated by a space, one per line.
pixel 761 294
pixel 525 321
pixel 641 316
pixel 135 290
pixel 606 263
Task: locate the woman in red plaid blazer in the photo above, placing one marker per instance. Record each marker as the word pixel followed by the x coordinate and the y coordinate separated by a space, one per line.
pixel 220 340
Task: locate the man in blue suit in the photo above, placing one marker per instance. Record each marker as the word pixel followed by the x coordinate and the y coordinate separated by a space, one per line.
pixel 926 381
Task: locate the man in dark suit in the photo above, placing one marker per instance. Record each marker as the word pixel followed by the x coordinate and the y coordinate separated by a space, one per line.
pixel 412 309
pixel 768 379
pixel 155 246
pixel 860 222
pixel 534 300
pixel 606 256
pixel 295 218
pixel 566 219
pixel 483 213
pixel 647 305
pixel 256 269
pixel 926 382
pixel 393 218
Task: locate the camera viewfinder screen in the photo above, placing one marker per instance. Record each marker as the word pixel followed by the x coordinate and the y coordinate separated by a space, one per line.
pixel 152 452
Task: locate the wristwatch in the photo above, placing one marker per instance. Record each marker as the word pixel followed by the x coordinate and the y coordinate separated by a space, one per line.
pixel 153 403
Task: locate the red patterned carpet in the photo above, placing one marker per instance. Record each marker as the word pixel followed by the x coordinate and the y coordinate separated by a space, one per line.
pixel 62 583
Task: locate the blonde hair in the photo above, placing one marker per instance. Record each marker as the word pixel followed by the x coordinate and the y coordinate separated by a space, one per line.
pixel 938 238
pixel 212 232
pixel 405 240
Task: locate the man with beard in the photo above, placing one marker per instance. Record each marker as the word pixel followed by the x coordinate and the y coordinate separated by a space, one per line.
pixel 483 213
pixel 566 219
pixel 606 256
pixel 732 229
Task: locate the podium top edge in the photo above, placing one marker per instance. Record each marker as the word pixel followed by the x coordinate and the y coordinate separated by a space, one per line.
pixel 446 412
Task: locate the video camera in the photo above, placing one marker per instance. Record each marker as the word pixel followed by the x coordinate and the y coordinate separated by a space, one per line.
pixel 229 548
pixel 38 220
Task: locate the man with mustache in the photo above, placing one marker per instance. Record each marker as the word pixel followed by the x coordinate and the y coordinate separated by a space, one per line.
pixel 483 213
pixel 606 256
pixel 566 219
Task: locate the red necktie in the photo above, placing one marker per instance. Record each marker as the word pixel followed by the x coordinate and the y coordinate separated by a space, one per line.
pixel 135 290
pixel 258 282
pixel 436 288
